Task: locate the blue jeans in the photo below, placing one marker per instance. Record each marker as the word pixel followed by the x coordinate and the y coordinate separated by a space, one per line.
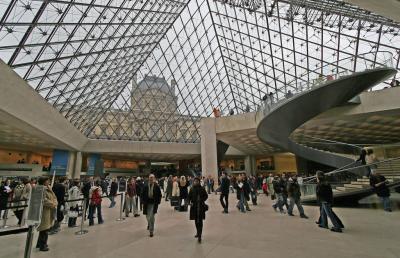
pixel 386 203
pixel 292 202
pixel 279 201
pixel 241 202
pixel 92 210
pixel 326 212
pixel 112 199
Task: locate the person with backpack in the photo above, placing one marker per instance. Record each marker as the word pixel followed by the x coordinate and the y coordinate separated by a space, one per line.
pixel 95 203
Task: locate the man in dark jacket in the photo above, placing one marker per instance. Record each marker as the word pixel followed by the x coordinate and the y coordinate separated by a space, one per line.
pixel 325 198
pixel 278 186
pixel 379 183
pixel 113 192
pixel 59 189
pixel 247 190
pixel 151 197
pixel 224 192
pixel 294 194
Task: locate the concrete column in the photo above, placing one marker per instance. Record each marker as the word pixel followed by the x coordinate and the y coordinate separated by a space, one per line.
pixel 250 165
pixel 78 165
pixel 209 164
pixel 70 165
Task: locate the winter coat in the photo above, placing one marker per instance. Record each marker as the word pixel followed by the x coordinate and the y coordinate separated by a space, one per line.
pixel 197 198
pixel 4 196
pixel 175 189
pixel 73 194
pixel 59 191
pixel 382 190
pixel 324 192
pixel 225 185
pixel 49 209
pixel 183 190
pixel 21 195
pixel 113 189
pixel 294 190
pixel 156 198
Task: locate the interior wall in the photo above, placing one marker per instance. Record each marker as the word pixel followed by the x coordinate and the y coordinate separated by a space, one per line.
pixel 12 157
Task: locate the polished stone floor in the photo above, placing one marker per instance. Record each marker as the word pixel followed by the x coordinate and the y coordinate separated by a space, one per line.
pixel 259 233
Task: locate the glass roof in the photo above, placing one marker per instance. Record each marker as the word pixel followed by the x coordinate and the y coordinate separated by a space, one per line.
pixel 147 70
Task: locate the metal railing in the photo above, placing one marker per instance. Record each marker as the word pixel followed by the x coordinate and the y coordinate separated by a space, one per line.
pixel 390 168
pixel 333 71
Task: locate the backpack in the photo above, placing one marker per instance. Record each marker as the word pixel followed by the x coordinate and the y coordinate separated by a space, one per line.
pixel 96 198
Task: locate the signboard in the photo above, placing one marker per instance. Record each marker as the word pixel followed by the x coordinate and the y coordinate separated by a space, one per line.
pixel 60 162
pixel 35 205
pixel 122 185
pixel 92 160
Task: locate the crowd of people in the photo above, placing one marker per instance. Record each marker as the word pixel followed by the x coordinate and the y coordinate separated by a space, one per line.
pixel 66 200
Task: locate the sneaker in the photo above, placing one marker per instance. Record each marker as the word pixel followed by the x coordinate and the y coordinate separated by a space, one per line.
pixel 136 215
pixel 151 234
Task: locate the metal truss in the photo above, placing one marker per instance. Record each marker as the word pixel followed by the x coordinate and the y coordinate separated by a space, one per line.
pixel 82 56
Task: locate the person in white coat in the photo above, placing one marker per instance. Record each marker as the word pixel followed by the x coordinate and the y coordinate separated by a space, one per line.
pixel 73 204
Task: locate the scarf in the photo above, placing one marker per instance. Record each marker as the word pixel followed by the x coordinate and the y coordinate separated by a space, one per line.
pixel 151 188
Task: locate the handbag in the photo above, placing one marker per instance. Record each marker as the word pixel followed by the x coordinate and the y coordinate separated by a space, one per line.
pixel 175 201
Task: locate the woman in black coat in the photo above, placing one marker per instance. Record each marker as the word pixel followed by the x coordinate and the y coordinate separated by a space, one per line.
pixel 198 208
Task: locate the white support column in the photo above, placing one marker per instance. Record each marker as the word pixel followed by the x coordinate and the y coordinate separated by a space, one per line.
pixel 78 165
pixel 250 165
pixel 70 164
pixel 209 164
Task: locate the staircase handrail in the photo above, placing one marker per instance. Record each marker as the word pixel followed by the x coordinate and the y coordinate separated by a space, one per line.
pixel 342 169
pixel 306 85
pixel 355 148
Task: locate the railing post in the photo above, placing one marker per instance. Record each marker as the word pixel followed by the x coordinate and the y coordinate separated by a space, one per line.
pixel 28 243
pixel 122 206
pixel 82 231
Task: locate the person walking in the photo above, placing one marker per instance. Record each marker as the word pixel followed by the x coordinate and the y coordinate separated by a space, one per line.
pixel 294 195
pixel 198 208
pixel 183 193
pixel 278 191
pixel 325 198
pixel 224 197
pixel 48 214
pixel 168 190
pixel 379 183
pixel 130 198
pixel 151 197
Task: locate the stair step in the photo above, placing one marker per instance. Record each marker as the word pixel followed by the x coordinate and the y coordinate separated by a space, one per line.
pixel 360 182
pixel 353 186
